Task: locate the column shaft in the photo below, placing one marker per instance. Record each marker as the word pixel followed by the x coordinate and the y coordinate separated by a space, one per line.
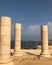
pixel 17 34
pixel 5 38
pixel 44 41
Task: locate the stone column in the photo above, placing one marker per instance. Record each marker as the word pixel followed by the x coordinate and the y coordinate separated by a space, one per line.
pixel 17 35
pixel 44 41
pixel 5 38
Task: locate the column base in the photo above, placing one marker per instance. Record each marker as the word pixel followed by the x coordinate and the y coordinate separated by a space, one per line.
pixel 45 55
pixel 9 63
pixel 6 61
pixel 18 53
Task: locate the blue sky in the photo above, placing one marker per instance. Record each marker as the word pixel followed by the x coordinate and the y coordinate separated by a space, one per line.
pixel 30 13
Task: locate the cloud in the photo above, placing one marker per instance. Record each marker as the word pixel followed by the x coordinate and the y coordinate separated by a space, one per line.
pixel 50 29
pixel 50 26
pixel 34 31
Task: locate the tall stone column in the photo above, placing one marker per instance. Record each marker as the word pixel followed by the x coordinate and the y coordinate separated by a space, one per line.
pixel 17 35
pixel 44 41
pixel 5 38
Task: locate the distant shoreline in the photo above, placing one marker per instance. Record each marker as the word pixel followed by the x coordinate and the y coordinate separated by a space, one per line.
pixel 29 44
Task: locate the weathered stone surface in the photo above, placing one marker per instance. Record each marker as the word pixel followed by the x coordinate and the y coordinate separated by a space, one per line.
pixel 5 38
pixel 44 40
pixel 17 39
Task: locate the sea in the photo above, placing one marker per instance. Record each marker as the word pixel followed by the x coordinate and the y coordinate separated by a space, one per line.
pixel 27 44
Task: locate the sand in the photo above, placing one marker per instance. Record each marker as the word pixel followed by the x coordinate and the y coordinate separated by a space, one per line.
pixel 31 57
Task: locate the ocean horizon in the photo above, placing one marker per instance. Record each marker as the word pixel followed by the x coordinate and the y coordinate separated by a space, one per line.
pixel 28 44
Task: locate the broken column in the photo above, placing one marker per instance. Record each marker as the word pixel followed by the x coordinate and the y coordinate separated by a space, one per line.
pixel 44 41
pixel 5 39
pixel 17 35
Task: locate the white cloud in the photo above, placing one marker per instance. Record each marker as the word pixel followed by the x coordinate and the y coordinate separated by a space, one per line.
pixel 50 26
pixel 50 29
pixel 35 32
pixel 33 29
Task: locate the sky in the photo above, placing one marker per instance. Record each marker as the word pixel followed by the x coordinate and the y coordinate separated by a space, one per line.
pixel 31 14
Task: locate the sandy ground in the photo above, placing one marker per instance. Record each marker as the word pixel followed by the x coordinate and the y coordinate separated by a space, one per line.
pixel 32 51
pixel 31 57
